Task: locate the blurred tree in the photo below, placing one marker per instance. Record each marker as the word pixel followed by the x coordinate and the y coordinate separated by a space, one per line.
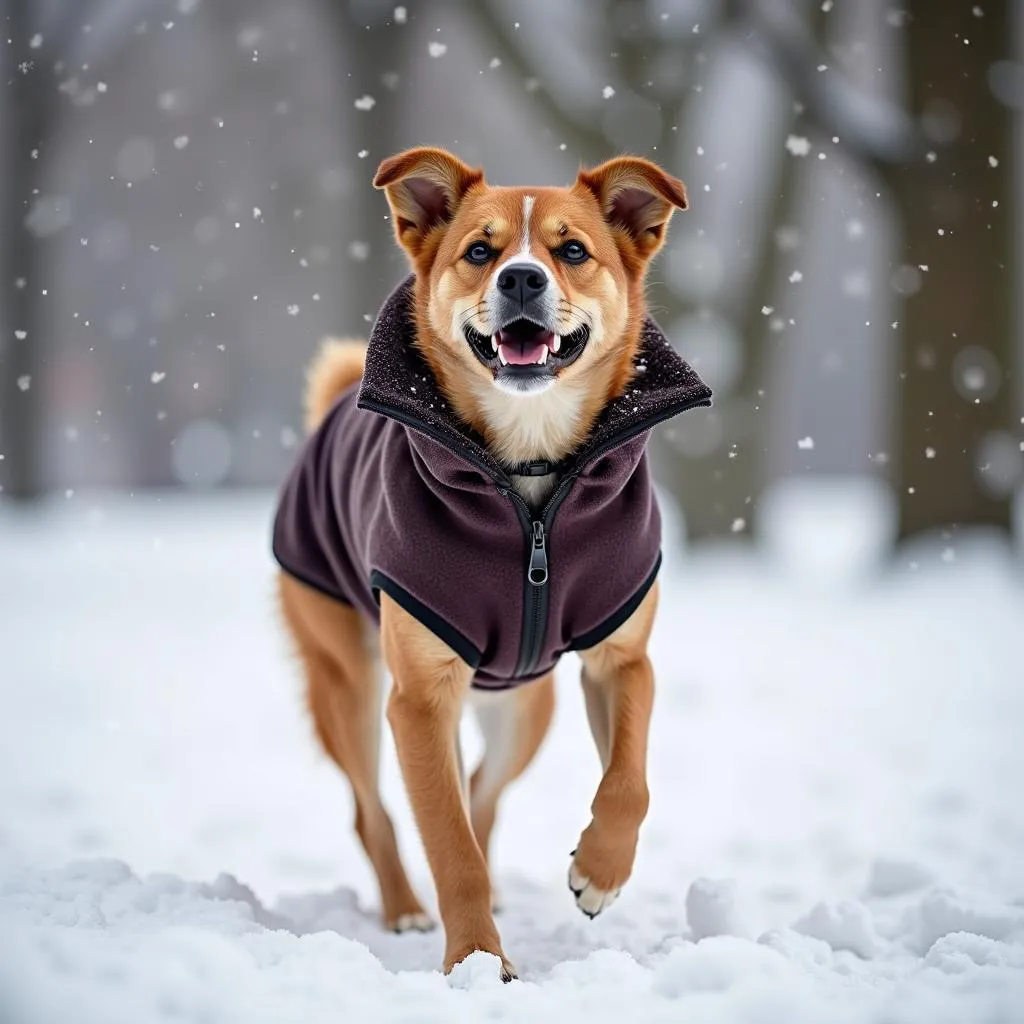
pixel 42 40
pixel 31 105
pixel 958 460
pixel 377 51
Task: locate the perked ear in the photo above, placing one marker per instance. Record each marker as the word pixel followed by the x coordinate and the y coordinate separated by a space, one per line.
pixel 637 195
pixel 424 187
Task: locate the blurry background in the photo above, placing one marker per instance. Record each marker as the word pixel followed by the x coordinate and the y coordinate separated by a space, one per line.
pixel 186 210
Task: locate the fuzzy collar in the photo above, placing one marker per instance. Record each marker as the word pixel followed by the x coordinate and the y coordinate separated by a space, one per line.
pixel 398 383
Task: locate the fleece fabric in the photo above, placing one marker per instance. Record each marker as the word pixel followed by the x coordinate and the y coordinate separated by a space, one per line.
pixel 394 493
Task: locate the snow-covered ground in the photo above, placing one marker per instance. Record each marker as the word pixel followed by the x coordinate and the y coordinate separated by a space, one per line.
pixel 836 830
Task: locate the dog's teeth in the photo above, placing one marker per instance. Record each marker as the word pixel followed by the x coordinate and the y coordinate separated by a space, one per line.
pixel 494 343
pixel 501 356
pixel 543 356
pixel 557 343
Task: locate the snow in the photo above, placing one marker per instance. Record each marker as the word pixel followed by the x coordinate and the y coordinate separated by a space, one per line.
pixel 798 145
pixel 835 834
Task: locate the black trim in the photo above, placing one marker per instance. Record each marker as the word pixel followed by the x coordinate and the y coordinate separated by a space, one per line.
pixel 538 467
pixel 442 629
pixel 594 636
pixel 312 584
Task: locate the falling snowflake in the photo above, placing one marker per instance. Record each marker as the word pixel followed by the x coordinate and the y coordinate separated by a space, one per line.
pixel 365 103
pixel 156 376
pixel 929 453
pixel 181 142
pixel 607 92
pixel 36 41
pixel 363 154
pixel 25 382
pixel 494 63
pixel 767 310
pixel 401 15
pixel 437 49
pixel 798 145
pixel 805 444
pixel 738 525
pixel 293 309
pixel 21 335
pixel 854 229
pixel 359 251
pixel 795 277
pixel 993 162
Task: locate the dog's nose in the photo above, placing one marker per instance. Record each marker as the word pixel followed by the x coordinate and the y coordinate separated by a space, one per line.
pixel 522 281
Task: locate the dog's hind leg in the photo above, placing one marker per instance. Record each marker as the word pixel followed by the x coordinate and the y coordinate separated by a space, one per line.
pixel 513 723
pixel 344 694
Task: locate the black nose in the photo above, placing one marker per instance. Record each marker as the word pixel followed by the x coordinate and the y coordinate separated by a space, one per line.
pixel 522 281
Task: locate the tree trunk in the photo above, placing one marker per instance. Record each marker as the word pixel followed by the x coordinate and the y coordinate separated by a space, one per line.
pixel 955 396
pixel 31 102
pixel 377 52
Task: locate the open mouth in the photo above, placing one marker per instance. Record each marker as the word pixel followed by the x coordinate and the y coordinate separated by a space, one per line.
pixel 524 348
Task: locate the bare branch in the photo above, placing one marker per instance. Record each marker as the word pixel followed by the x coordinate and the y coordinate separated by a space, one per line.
pixel 587 140
pixel 873 130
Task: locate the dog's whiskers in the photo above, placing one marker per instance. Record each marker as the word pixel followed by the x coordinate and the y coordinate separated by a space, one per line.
pixel 477 310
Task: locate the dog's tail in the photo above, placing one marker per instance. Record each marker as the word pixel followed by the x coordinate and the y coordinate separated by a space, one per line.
pixel 337 365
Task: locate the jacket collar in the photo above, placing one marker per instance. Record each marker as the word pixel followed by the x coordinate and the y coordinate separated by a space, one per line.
pixel 398 383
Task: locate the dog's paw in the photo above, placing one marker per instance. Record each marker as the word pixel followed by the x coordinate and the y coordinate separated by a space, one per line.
pixel 463 967
pixel 417 922
pixel 601 866
pixel 590 898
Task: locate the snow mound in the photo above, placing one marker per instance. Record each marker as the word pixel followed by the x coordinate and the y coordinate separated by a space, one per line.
pixel 942 912
pixel 846 925
pixel 94 943
pixel 711 908
pixel 895 877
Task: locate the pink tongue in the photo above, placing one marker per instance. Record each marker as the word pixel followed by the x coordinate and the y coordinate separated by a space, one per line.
pixel 522 353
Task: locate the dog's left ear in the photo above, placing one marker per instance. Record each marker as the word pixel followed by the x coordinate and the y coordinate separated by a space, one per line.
pixel 424 187
pixel 637 195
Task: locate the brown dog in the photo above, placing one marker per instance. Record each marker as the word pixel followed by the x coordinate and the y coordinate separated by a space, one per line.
pixel 515 375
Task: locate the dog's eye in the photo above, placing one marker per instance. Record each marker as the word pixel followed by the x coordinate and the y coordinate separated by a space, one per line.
pixel 572 252
pixel 479 252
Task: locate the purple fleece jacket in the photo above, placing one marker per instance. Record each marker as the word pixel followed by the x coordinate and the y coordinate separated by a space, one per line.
pixel 394 493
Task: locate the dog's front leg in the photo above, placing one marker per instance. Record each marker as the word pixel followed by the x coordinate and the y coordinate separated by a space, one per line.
pixel 429 684
pixel 618 684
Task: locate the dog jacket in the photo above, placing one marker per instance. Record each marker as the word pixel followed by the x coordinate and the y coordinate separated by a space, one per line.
pixel 394 493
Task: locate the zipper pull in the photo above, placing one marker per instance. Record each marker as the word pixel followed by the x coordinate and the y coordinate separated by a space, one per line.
pixel 538 571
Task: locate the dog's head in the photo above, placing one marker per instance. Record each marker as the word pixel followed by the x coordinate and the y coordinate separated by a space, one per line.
pixel 522 290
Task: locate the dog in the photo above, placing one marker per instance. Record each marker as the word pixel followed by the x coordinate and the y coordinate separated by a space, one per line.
pixel 473 501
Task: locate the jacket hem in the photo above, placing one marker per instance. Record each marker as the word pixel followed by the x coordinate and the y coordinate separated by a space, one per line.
pixel 440 627
pixel 594 636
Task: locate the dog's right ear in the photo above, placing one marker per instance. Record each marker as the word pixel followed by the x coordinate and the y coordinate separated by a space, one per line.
pixel 424 188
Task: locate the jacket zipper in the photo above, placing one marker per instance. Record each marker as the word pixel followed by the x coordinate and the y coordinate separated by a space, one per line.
pixel 537 586
pixel 536 531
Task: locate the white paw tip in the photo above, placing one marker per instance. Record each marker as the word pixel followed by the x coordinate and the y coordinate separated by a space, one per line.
pixel 412 923
pixel 589 898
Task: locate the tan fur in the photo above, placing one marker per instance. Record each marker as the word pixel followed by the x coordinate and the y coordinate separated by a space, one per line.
pixel 620 210
pixel 337 365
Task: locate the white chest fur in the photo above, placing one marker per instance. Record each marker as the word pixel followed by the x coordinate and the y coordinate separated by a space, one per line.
pixel 534 490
